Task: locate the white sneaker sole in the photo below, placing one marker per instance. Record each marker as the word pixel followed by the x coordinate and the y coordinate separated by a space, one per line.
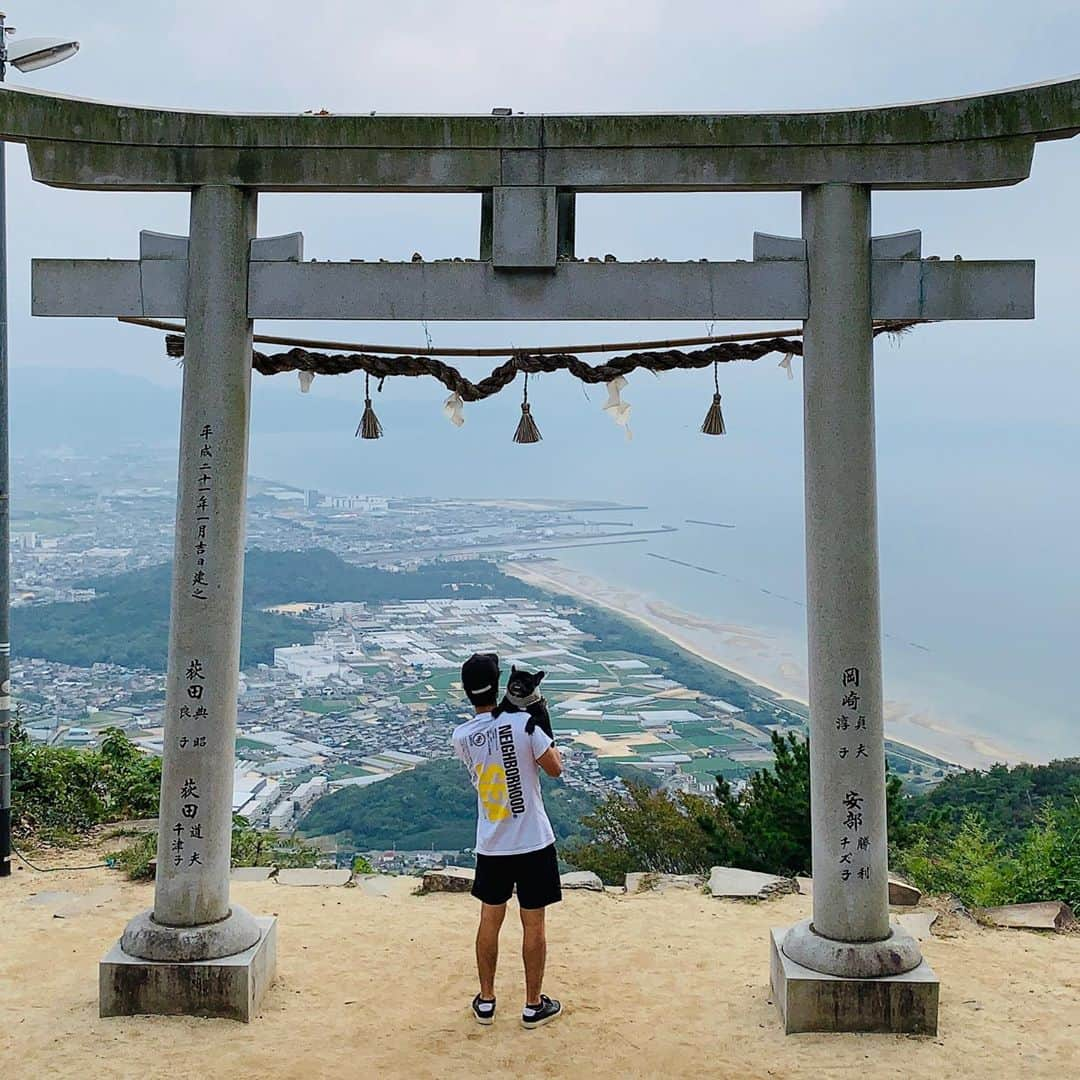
pixel 530 1024
pixel 484 1021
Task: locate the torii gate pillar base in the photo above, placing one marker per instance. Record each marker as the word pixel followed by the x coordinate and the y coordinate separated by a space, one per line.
pixel 231 988
pixel 808 1000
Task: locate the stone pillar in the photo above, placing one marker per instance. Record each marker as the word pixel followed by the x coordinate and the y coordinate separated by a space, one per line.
pixel 192 919
pixel 849 934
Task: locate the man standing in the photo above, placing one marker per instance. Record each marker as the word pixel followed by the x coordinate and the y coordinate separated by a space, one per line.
pixel 515 844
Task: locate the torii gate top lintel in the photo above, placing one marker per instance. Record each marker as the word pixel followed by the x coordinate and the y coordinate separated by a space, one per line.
pixel 983 140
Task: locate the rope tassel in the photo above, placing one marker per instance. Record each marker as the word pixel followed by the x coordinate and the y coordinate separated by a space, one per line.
pixel 527 431
pixel 369 428
pixel 714 418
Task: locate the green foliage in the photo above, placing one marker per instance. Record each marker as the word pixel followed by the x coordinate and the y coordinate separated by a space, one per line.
pixel 137 859
pixel 319 576
pixel 1003 836
pixel 361 864
pixel 774 813
pixel 433 805
pixel 1047 863
pixel 264 847
pixel 968 864
pixel 128 622
pixel 646 830
pixel 1009 800
pixel 767 828
pixel 132 778
pixel 58 793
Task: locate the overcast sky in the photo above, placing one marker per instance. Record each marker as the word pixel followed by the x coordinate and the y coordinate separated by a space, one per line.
pixel 1001 381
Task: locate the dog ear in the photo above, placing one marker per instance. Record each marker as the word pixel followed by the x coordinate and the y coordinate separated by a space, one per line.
pixel 539 677
pixel 513 669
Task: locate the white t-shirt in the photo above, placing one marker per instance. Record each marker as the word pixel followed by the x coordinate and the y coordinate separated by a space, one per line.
pixel 501 759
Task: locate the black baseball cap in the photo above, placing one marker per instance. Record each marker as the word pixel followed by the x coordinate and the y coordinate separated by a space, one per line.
pixel 480 678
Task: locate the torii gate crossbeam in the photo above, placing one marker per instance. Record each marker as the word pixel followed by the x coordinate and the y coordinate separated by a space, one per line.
pixel 845 969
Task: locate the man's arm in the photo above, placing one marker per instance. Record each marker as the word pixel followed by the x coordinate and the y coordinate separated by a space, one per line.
pixel 550 761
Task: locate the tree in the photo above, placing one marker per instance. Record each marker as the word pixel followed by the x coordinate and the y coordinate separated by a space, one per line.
pixel 775 810
pixel 767 828
pixel 650 831
pixel 1047 865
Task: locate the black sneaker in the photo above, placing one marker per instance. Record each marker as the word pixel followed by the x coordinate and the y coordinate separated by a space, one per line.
pixel 483 1010
pixel 543 1014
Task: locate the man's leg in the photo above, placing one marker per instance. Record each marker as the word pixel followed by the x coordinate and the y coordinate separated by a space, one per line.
pixel 533 952
pixel 487 946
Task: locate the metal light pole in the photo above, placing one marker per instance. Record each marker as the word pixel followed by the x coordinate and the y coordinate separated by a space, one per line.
pixel 28 55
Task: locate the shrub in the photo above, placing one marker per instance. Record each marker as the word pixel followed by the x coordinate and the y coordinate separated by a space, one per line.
pixel 1047 865
pixel 136 860
pixel 646 830
pixel 59 793
pixel 970 864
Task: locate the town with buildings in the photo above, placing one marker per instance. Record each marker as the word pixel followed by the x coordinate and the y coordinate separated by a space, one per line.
pixel 375 690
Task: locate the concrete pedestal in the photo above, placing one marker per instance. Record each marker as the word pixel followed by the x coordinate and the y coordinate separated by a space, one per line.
pixel 811 1001
pixel 231 987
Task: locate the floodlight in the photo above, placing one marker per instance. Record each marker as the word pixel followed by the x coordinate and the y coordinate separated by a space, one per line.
pixel 29 54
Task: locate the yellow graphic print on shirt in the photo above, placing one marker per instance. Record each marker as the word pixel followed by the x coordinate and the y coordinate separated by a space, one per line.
pixel 491 786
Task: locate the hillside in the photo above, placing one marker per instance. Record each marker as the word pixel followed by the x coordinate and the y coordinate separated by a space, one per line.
pixel 1009 800
pixel 433 805
pixel 128 623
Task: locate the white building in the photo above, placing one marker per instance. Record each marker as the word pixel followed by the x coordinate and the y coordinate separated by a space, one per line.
pixel 309 791
pixel 309 663
pixel 282 814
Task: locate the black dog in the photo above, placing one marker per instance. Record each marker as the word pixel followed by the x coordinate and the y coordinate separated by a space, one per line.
pixel 522 693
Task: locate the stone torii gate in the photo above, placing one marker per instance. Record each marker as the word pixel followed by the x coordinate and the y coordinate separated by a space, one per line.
pixel 845 969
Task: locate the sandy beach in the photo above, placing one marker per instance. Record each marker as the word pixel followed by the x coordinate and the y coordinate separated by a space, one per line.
pixel 672 985
pixel 760 658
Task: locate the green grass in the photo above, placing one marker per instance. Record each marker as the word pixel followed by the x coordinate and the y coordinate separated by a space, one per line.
pixel 328 705
pixel 343 772
pixel 253 744
pixel 717 766
pixel 104 718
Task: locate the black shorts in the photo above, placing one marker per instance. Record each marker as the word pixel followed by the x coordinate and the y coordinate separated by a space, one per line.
pixel 535 873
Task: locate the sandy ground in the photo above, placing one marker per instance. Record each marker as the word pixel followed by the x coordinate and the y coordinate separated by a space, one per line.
pixel 758 657
pixel 653 985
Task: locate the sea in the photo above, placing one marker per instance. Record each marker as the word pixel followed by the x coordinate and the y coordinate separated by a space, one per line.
pixel 980 573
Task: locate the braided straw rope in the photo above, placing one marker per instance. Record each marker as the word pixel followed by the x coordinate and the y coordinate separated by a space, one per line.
pixel 655 360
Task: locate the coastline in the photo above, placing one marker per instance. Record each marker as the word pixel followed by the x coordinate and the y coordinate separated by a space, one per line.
pixel 755 657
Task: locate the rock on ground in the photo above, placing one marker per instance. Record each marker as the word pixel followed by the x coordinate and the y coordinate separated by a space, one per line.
pixel 1049 915
pixel 648 882
pixel 582 879
pixel 450 879
pixel 902 894
pixel 313 877
pixel 917 923
pixel 729 882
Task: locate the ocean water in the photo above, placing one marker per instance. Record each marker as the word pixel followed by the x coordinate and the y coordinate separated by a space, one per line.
pixel 978 523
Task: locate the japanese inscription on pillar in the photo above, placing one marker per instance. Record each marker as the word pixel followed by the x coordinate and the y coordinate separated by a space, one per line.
pixel 203 489
pixel 192 713
pixel 187 834
pixel 855 841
